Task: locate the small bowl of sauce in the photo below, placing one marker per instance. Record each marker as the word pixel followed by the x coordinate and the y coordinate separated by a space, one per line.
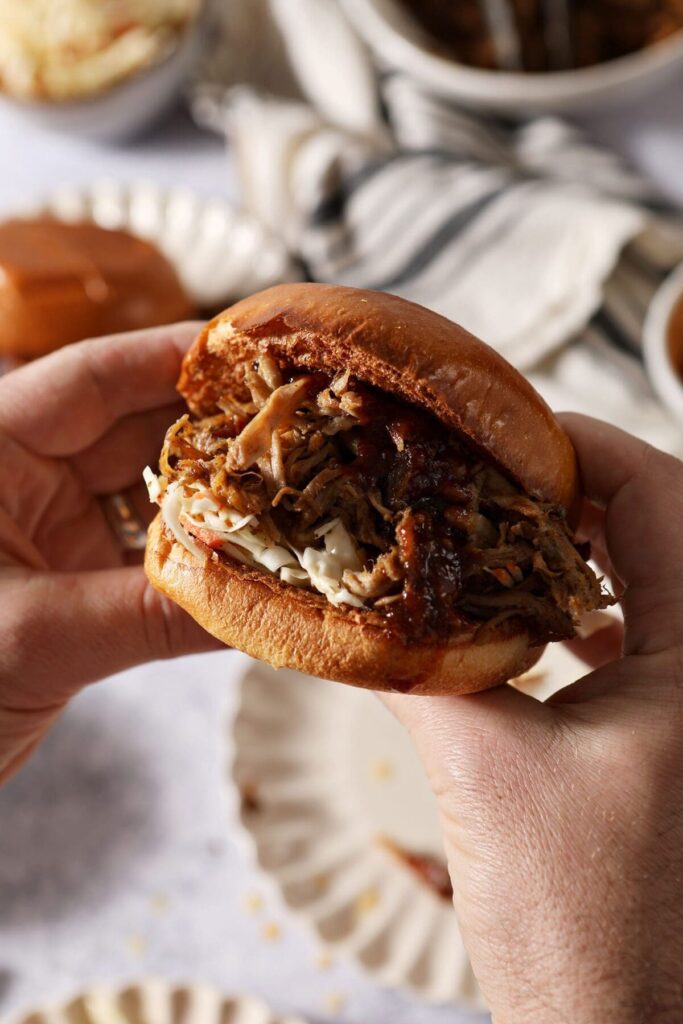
pixel 676 338
pixel 663 343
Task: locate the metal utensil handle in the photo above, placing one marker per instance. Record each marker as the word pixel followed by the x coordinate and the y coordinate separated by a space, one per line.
pixel 558 34
pixel 500 18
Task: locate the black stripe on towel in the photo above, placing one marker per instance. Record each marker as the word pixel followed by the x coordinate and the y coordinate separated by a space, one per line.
pixel 615 334
pixel 435 245
pixel 331 207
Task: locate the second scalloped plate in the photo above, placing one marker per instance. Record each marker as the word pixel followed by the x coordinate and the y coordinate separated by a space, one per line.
pixel 155 1002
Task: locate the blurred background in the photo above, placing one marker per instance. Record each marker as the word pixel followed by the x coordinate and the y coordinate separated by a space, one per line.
pixel 514 164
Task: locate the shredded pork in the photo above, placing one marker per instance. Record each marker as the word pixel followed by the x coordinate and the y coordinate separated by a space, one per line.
pixel 419 529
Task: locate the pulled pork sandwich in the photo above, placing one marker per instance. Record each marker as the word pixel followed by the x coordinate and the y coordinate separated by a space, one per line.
pixel 363 491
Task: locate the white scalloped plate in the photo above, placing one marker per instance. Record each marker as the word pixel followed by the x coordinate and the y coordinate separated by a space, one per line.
pixel 155 1002
pixel 325 772
pixel 221 253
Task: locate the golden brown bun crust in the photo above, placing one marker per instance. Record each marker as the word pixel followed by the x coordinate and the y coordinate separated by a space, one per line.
pixel 64 282
pixel 401 348
pixel 293 628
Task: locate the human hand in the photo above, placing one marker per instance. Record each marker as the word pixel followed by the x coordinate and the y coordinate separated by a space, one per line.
pixel 75 426
pixel 563 822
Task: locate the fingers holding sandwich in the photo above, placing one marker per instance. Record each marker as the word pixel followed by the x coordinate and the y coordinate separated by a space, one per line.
pixel 640 490
pixel 62 631
pixel 105 379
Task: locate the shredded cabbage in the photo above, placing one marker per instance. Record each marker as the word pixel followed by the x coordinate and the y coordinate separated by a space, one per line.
pixel 321 569
pixel 171 508
pixel 154 484
pixel 326 568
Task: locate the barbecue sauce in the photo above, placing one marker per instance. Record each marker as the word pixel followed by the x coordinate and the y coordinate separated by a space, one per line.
pixel 431 870
pixel 433 574
pixel 411 458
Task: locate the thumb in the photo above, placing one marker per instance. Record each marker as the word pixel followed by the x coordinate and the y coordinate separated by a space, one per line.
pixel 455 732
pixel 468 744
pixel 64 630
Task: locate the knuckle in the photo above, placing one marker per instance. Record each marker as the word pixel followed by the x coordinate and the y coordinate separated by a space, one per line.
pixel 163 631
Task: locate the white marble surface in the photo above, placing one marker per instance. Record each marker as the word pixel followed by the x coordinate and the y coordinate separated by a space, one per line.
pixel 173 153
pixel 118 853
pixel 119 858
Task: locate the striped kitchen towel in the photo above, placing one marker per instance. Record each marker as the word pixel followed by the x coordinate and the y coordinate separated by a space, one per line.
pixel 542 244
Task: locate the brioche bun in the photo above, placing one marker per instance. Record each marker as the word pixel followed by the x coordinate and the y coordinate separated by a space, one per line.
pixel 63 282
pixel 422 358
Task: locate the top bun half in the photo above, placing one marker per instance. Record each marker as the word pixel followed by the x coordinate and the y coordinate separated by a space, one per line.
pixel 403 349
pixel 61 282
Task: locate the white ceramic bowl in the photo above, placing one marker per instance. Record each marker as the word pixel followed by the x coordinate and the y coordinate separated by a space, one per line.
pixel 658 359
pixel 391 34
pixel 131 105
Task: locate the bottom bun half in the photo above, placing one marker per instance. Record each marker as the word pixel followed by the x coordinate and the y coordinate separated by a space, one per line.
pixel 293 628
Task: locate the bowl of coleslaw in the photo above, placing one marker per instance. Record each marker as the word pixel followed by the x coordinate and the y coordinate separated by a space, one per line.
pixel 104 70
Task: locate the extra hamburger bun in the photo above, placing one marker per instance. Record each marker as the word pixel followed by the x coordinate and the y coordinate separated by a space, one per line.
pixel 421 358
pixel 62 282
